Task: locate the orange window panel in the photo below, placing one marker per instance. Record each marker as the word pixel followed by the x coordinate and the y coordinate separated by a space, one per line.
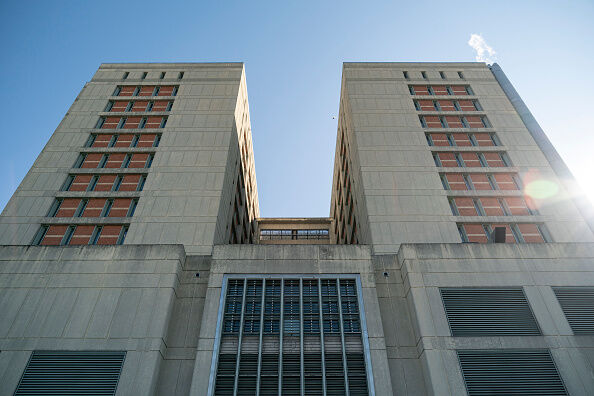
pixel 102 140
pixel 440 139
pixel 138 160
pixel 421 90
pixel 517 206
pixel 439 89
pixel 105 182
pixel 509 237
pixel 456 181
pixel 153 122
pixel 483 139
pixel 466 105
pixel 140 105
pixel 447 160
pixel 119 105
pixel 91 160
pixel 491 207
pixel 494 160
pixel 82 235
pixel 109 235
pixel 127 90
pixel 68 207
pixel 110 123
pixel 80 183
pixel 146 140
pixel 115 160
pixel 54 235
pixel 426 105
pixel 505 182
pixel 94 207
pixel 471 160
pixel 475 233
pixel 459 90
pixel 465 206
pixel 146 90
pixel 480 181
pixel 474 122
pixel 462 139
pixel 165 90
pixel 454 121
pixel 160 105
pixel 120 207
pixel 132 122
pixel 129 183
pixel 530 233
pixel 124 140
pixel 447 105
pixel 432 122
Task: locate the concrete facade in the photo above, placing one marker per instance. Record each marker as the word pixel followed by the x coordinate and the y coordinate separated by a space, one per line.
pixel 160 295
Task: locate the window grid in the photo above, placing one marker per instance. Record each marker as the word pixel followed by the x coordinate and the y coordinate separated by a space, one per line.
pixel 291 336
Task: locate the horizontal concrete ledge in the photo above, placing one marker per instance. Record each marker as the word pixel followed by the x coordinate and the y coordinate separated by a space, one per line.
pixel 168 66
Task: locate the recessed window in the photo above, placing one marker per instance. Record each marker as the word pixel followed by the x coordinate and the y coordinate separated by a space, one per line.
pixel 464 122
pixel 149 161
pixel 472 139
pixel 460 75
pixel 423 122
pixel 90 140
pixel 95 235
pixel 494 140
pixel 141 182
pixel 163 122
pixel 129 106
pixel 142 123
pixel 162 76
pixel 54 208
pixel 156 91
pixel 100 123
pixel 121 123
pixel 477 105
pixel 436 160
pixel 468 182
pixel 157 140
pixel 462 233
pixel 68 235
pixel 516 233
pixel 117 91
pixel 174 92
pixel 469 90
pixel 180 75
pixel 449 90
pixel 126 162
pixel 81 208
pixel 450 139
pixel 459 160
pixel 436 105
pixel 149 106
pixel 478 207
pixel 134 141
pixel 430 90
pixel 136 91
pixel 492 182
pixel 485 122
pixel 103 161
pixel 456 105
pixel 144 74
pixel 405 73
pixel 122 235
pixel 39 235
pixel 483 160
pixel 411 89
pixel 417 105
pixel 109 106
pixel 93 183
pixel 107 208
pixel 443 122
pixel 429 139
pixel 117 183
pixel 79 160
pixel 453 207
pixel 444 182
pixel 169 106
pixel 505 159
pixel 132 208
pixel 126 74
pixel 424 75
pixel 442 75
pixel 113 140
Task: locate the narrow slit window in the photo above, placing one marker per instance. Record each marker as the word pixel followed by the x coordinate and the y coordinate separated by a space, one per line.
pixel 149 161
pixel 93 183
pixel 136 91
pixel 174 92
pixel 54 208
pixel 90 140
pixel 117 91
pixel 180 75
pixel 103 161
pixel 162 76
pixel 460 75
pixel 144 74
pixel 113 140
pixel 68 235
pixel 122 235
pixel 423 122
pixel 39 235
pixel 107 208
pixel 156 91
pixel 134 141
pixel 141 182
pixel 81 208
pixel 132 208
pixel 169 106
pixel 405 73
pixel 95 236
pixel 157 141
pixel 109 106
pixel 126 162
pixel 79 160
pixel 424 75
pixel 442 75
pixel 117 183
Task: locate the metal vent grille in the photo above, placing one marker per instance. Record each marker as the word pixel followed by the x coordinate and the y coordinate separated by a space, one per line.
pixel 488 312
pixel 291 336
pixel 510 372
pixel 578 305
pixel 72 373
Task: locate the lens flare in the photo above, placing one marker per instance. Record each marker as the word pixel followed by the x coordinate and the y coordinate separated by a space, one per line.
pixel 541 189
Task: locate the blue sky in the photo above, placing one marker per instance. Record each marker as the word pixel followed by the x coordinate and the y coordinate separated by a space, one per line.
pixel 293 53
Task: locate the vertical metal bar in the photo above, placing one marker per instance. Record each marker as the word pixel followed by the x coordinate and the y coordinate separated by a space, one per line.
pixel 344 360
pixel 321 321
pixel 302 372
pixel 280 344
pixel 218 336
pixel 261 335
pixel 237 360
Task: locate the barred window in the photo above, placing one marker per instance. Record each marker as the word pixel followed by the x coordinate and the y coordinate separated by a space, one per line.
pixel 291 335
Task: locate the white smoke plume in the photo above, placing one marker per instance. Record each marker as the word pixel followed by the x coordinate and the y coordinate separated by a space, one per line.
pixel 484 53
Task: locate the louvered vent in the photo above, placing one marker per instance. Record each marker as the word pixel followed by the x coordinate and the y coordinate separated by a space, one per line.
pixel 510 372
pixel 578 305
pixel 72 373
pixel 488 312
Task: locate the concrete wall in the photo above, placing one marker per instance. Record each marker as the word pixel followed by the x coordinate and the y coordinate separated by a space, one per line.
pixel 427 267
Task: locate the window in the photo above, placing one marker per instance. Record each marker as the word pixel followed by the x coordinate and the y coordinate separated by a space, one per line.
pixel 109 106
pixel 424 75
pixel 450 139
pixel 429 139
pixel 71 372
pixel 423 122
pixel 180 75
pixel 68 235
pixel 462 233
pixel 449 90
pixel 136 91
pixel 103 161
pixel 460 75
pixel 473 140
pixel 129 106
pixel 289 320
pixel 81 208
pixel 93 183
pixel 444 182
pixel 162 76
pixel 149 161
pixel 121 123
pixel 436 160
pixel 442 75
pixel 54 208
pixel 478 207
pixel 90 140
pixel 436 105
pixel 468 90
pixel 174 92
pixel 443 122
pixel 107 208
pixel 122 235
pixel 405 73
pixel 492 182
pixel 156 91
pixel 100 122
pixel 117 91
pixel 126 74
pixel 488 312
pixel 459 160
pixel 468 182
pixel 417 105
pixel 485 122
pixel 117 183
pixel 430 90
pixel 169 106
pixel 516 233
pixel 113 140
pixel 411 90
pixel 464 122
pixel 144 74
pixel 456 105
pixel 510 372
pixel 95 236
pixel 453 207
pixel 142 123
pixel 141 182
pixel 477 105
pixel 504 207
pixel 157 141
pixel 132 209
pixel 163 122
pixel 505 159
pixel 495 140
pixel 39 235
pixel 126 162
pixel 482 160
pixel 79 160
pixel 134 141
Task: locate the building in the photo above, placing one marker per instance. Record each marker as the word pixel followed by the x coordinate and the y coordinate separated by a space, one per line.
pixel 458 256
